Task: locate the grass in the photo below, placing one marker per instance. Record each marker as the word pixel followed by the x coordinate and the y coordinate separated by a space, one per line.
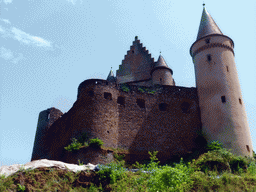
pixel 215 170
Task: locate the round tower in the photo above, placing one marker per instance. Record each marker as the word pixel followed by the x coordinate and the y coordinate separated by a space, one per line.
pixel 161 73
pixel 223 113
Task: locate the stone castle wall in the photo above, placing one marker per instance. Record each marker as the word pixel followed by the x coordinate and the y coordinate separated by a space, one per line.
pixel 166 121
pixel 45 120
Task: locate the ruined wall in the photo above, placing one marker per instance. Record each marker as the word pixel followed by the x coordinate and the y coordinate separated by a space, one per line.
pixel 45 120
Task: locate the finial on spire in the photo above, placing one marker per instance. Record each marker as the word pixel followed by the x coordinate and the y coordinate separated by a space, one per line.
pixel 203 4
pixel 136 37
pixel 160 52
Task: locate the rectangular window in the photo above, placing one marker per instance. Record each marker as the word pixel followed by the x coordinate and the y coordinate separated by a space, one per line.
pixel 107 95
pixel 247 147
pixel 227 68
pixel 223 99
pixel 120 100
pixel 209 57
pixel 141 103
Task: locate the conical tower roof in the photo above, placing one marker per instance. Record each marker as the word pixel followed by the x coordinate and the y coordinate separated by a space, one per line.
pixel 111 76
pixel 161 64
pixel 207 26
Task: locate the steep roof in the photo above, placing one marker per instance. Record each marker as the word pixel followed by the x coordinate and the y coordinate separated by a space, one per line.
pixel 161 64
pixel 207 26
pixel 111 76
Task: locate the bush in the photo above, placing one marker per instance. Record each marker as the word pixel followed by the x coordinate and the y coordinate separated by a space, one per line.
pixel 238 164
pixel 171 178
pixel 111 172
pixel 214 145
pixel 96 143
pixel 217 160
pixel 83 138
pixel 252 168
pixel 119 157
pixel 125 88
pixel 74 145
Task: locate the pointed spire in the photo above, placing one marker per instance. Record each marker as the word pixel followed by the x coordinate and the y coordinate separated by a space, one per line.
pixel 207 25
pixel 111 76
pixel 161 62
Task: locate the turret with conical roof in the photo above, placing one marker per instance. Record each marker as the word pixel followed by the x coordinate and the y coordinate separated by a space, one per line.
pixel 111 76
pixel 222 109
pixel 161 73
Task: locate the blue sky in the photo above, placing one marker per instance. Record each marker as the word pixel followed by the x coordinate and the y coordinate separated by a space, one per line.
pixel 47 48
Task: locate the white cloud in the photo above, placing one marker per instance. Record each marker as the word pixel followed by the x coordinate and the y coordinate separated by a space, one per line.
pixel 1 29
pixel 6 21
pixel 29 39
pixel 7 1
pixel 8 55
pixel 74 1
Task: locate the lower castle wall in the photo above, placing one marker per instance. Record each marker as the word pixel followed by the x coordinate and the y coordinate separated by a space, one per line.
pixel 122 121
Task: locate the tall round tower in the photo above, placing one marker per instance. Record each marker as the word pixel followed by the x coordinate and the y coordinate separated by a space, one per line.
pixel 223 113
pixel 161 73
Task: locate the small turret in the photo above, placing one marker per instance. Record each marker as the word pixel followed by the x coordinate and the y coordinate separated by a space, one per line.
pixel 161 73
pixel 111 76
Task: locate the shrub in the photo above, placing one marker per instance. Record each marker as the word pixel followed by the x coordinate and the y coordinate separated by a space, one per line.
pixel 214 145
pixel 96 143
pixel 83 138
pixel 111 172
pixel 119 157
pixel 73 146
pixel 217 160
pixel 238 164
pixel 141 90
pixel 252 168
pixel 171 178
pixel 125 88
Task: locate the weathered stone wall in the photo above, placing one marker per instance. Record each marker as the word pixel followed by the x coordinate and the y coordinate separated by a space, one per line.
pixel 45 120
pixel 166 121
pixel 136 65
pixel 222 109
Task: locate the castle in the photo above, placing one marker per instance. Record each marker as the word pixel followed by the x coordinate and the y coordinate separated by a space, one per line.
pixel 141 109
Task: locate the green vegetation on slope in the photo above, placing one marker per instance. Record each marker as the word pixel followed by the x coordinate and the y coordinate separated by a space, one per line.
pixel 216 170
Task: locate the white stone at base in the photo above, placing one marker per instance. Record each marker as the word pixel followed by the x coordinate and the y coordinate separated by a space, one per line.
pixel 10 170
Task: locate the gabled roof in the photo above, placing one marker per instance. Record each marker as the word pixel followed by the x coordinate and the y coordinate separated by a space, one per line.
pixel 207 26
